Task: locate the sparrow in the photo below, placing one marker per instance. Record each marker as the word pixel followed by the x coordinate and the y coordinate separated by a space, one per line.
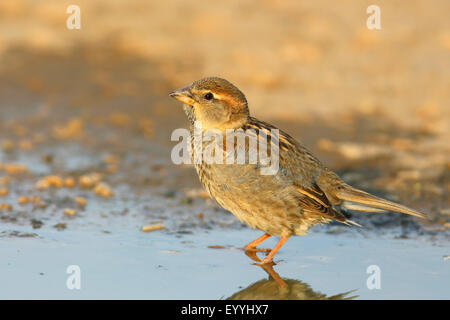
pixel 277 288
pixel 300 194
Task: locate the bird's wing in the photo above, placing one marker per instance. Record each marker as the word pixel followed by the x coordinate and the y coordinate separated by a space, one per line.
pixel 298 167
pixel 297 162
pixel 320 186
pixel 314 201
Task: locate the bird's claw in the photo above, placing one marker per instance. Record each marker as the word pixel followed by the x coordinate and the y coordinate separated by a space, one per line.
pixel 266 263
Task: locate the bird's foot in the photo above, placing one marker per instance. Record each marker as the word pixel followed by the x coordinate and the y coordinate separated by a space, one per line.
pixel 266 262
pixel 252 255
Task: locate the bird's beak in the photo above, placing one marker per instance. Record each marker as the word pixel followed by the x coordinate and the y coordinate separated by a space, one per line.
pixel 184 95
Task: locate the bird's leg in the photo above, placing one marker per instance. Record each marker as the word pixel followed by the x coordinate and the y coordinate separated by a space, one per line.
pixel 252 255
pixel 252 245
pixel 269 257
pixel 267 267
pixel 273 275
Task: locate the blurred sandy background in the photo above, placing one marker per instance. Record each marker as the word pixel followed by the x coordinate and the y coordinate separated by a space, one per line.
pixel 374 105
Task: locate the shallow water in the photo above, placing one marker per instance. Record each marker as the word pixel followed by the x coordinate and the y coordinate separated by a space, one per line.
pixel 126 264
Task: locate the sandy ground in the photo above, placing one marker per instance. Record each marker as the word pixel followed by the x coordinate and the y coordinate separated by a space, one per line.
pixel 85 119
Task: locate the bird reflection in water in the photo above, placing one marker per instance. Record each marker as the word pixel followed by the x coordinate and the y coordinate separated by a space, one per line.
pixel 276 288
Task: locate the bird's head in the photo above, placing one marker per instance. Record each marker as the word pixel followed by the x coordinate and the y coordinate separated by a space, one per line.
pixel 215 102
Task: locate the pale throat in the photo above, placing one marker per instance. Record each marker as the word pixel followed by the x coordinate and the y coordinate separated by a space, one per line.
pixel 229 121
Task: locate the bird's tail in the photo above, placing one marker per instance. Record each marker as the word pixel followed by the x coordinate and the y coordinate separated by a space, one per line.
pixel 347 193
pixel 341 193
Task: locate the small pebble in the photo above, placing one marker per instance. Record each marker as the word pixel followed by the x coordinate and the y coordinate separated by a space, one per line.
pixel 152 227
pixel 69 182
pixel 89 181
pixel 23 200
pixel 60 226
pixel 70 212
pixel 49 181
pixel 13 168
pixel 81 201
pixel 5 206
pixel 102 189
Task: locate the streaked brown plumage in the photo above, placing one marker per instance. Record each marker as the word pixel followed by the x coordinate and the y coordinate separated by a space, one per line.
pixel 301 194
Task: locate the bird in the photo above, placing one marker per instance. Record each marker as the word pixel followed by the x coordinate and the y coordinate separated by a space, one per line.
pixel 300 194
pixel 276 288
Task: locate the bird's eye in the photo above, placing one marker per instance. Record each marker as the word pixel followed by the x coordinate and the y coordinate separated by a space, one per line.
pixel 209 96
